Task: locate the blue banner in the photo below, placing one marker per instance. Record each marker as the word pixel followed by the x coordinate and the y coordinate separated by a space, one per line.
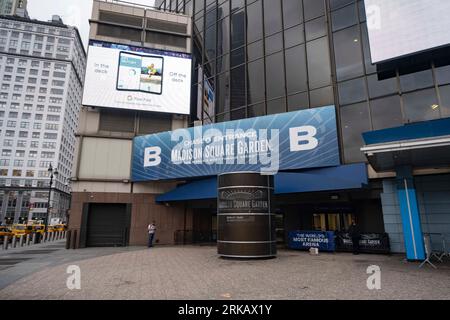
pixel 304 240
pixel 295 140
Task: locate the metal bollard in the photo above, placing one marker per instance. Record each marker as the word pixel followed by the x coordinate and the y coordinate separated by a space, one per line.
pixel 68 240
pixel 27 240
pixel 21 240
pixel 5 242
pixel 74 239
pixel 44 237
pixel 33 241
pixel 13 242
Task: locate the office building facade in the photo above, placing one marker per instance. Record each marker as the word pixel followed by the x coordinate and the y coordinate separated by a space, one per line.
pixel 14 8
pixel 104 199
pixel 42 73
pixel 266 57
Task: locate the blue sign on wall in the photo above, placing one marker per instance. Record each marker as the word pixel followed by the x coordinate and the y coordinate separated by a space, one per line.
pixel 304 240
pixel 295 140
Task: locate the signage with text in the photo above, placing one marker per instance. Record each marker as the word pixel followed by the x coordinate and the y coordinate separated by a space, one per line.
pixel 304 240
pixel 295 140
pixel 136 78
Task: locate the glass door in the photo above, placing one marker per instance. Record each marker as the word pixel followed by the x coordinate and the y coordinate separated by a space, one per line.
pixel 332 221
pixel 319 222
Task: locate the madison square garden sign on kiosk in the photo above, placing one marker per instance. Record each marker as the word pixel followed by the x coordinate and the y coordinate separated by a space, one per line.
pixel 245 155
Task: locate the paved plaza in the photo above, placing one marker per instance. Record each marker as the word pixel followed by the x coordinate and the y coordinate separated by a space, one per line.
pixel 193 272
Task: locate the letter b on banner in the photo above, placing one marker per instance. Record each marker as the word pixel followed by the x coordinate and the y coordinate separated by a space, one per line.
pixel 303 138
pixel 152 157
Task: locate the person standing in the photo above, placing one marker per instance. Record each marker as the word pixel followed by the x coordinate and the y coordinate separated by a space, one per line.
pixel 151 233
pixel 355 233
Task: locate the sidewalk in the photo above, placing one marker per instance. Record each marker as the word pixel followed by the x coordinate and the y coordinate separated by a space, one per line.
pixel 16 263
pixel 197 273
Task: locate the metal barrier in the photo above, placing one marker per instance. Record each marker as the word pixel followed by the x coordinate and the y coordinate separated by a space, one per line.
pixel 74 240
pixel 7 242
pixel 68 233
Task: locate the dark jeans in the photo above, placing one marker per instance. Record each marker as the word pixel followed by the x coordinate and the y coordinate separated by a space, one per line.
pixel 356 245
pixel 150 239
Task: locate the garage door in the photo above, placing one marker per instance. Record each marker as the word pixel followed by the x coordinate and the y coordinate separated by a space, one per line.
pixel 107 225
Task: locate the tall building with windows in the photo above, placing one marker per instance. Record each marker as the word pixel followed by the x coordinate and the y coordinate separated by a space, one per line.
pixel 14 8
pixel 257 58
pixel 41 80
pixel 265 57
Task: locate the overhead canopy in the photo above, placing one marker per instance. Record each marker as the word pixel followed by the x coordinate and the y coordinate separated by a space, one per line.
pixel 195 190
pixel 420 145
pixel 325 179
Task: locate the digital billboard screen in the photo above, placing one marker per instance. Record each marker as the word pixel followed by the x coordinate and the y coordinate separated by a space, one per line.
pixel 399 28
pixel 136 78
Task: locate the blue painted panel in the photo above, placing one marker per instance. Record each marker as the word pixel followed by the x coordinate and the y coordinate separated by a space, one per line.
pixel 428 129
pixel 325 179
pixel 412 229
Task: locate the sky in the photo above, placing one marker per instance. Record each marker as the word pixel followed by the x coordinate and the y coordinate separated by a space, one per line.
pixel 73 12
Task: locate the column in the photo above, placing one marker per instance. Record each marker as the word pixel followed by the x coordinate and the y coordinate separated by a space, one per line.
pixel 246 226
pixel 4 206
pixel 410 215
pixel 18 208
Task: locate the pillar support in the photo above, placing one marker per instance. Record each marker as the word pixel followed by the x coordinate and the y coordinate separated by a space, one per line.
pixel 410 215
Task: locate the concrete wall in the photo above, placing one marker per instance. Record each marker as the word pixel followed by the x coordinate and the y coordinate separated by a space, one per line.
pixel 433 196
pixel 105 159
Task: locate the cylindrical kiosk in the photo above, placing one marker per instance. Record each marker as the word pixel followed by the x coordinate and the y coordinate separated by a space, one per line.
pixel 246 224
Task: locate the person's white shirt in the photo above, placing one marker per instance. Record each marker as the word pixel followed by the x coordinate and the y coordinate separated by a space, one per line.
pixel 151 228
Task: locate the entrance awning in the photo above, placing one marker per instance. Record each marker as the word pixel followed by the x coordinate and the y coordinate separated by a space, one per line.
pixel 346 177
pixel 420 145
pixel 195 190
pixel 326 179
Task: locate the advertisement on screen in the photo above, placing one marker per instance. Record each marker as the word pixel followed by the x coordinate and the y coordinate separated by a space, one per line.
pixel 403 27
pixel 136 78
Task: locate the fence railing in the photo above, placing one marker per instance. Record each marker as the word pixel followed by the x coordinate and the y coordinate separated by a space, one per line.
pixel 13 242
